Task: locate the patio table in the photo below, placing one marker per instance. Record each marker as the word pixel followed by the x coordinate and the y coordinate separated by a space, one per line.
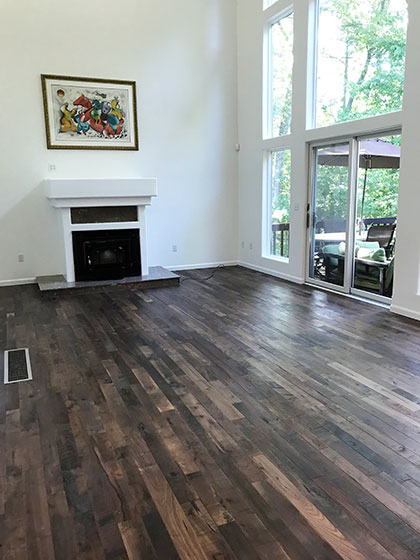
pixel 336 237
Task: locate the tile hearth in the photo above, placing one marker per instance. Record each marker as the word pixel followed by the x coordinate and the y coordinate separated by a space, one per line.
pixel 158 277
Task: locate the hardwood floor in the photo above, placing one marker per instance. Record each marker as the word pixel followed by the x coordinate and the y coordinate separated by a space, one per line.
pixel 242 418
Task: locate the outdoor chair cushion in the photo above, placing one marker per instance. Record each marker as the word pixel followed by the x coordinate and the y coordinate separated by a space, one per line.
pixel 367 244
pixel 369 250
pixel 377 255
pixel 332 249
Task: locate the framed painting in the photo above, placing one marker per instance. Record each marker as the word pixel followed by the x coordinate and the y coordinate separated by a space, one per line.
pixel 89 113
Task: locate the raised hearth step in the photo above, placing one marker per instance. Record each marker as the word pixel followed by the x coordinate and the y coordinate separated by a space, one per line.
pixel 158 277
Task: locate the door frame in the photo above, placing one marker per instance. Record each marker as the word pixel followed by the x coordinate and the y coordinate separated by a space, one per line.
pixel 353 178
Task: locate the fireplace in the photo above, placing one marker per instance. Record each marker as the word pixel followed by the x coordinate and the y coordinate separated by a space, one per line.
pixel 106 254
pixel 89 206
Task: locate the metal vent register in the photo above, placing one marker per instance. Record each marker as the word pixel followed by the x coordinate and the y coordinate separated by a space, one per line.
pixel 17 365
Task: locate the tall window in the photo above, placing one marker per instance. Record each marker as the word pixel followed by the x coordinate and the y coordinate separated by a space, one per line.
pixel 280 203
pixel 360 59
pixel 280 70
pixel 278 64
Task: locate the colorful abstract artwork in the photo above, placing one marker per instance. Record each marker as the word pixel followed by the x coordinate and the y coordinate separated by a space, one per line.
pixel 87 113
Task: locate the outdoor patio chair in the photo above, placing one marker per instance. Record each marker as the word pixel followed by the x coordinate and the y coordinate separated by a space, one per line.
pixel 374 276
pixel 384 235
pixel 373 272
pixel 333 261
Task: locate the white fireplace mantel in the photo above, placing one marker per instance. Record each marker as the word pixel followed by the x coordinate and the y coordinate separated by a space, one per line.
pixel 66 194
pixel 73 193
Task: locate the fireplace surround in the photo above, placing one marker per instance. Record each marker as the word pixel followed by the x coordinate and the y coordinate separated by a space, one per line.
pixel 74 197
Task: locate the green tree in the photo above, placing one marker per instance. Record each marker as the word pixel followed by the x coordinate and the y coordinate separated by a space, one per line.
pixel 373 39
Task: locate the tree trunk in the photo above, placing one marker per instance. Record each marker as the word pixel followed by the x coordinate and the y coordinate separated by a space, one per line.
pixel 346 77
pixel 383 7
pixel 361 79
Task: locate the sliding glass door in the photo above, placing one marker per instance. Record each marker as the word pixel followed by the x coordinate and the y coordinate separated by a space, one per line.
pixel 376 215
pixel 328 215
pixel 352 213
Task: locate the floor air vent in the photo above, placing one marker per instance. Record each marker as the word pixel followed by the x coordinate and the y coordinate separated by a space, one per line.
pixel 17 366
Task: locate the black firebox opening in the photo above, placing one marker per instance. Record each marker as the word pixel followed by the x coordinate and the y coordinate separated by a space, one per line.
pixel 106 254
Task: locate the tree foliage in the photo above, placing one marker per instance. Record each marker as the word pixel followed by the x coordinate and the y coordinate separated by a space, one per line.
pixel 371 53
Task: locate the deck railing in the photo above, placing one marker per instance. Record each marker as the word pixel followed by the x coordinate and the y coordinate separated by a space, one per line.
pixel 281 234
pixel 280 240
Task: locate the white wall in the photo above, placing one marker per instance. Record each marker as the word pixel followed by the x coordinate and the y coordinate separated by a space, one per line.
pixel 250 19
pixel 183 57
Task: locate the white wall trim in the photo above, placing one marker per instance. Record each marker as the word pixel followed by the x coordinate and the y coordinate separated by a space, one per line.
pixel 398 310
pixel 203 265
pixel 271 272
pixel 17 282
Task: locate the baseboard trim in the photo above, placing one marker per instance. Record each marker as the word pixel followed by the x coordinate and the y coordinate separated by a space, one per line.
pixel 398 310
pixel 24 281
pixel 202 265
pixel 271 272
pixel 17 282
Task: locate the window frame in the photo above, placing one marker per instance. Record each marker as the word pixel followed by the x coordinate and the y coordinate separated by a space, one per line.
pixel 271 15
pixel 280 14
pixel 267 199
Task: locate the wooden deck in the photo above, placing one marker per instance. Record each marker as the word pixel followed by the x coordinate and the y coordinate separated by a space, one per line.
pixel 242 418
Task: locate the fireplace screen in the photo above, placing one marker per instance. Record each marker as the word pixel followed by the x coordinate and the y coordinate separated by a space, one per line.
pixel 106 254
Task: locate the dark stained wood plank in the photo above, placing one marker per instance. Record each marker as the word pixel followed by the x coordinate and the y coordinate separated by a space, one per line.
pixel 179 528
pixel 306 508
pixel 240 417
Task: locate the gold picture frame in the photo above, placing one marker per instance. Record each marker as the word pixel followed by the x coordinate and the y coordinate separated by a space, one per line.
pixel 89 113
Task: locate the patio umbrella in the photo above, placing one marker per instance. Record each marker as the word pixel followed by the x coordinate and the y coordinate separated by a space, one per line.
pixel 373 154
